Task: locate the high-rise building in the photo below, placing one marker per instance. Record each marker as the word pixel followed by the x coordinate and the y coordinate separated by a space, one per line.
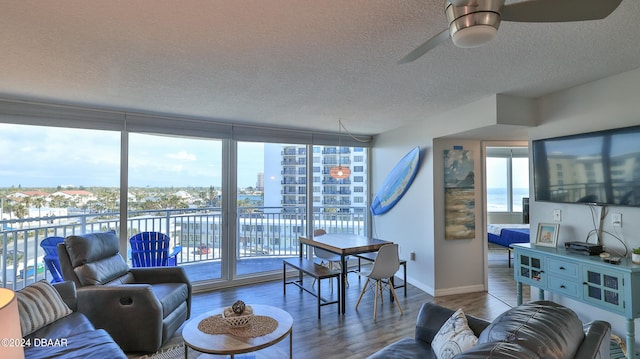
pixel 260 182
pixel 329 194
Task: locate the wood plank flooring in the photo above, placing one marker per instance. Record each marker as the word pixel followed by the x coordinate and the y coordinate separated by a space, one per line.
pixel 356 335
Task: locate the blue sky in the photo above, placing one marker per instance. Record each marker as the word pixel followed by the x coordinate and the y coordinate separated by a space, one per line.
pixel 36 156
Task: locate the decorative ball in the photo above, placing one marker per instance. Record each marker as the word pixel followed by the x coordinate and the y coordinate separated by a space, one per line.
pixel 238 307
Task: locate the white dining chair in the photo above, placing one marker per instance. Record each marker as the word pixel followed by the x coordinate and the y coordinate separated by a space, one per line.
pixel 327 259
pixel 384 268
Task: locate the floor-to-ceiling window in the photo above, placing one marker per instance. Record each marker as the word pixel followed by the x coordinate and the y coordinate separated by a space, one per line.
pixel 274 193
pixel 271 197
pixel 228 195
pixel 340 205
pixel 53 182
pixel 175 184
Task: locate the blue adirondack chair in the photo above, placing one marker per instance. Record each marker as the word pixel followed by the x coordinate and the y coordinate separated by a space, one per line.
pixel 151 249
pixel 51 260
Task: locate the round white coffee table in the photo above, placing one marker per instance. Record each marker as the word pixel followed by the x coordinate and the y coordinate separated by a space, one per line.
pixel 229 344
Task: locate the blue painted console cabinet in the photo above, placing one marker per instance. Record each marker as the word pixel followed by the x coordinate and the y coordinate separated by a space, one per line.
pixel 587 279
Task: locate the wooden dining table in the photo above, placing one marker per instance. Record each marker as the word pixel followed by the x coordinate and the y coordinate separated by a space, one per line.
pixel 343 245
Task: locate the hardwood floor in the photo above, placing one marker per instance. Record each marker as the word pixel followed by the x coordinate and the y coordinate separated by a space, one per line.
pixel 356 335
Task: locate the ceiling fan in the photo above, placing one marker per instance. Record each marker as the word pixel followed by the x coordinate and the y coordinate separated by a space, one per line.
pixel 473 23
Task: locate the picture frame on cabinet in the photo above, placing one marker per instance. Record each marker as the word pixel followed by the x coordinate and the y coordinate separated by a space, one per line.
pixel 547 234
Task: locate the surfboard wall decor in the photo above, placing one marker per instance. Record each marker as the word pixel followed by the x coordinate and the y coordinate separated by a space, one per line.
pixel 396 183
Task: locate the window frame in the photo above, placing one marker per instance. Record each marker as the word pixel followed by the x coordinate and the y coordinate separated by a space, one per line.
pixel 59 115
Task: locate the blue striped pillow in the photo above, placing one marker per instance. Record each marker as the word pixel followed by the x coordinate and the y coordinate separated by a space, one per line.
pixel 40 304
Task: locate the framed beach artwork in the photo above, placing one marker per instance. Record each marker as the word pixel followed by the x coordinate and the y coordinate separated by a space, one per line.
pixel 547 234
pixel 459 194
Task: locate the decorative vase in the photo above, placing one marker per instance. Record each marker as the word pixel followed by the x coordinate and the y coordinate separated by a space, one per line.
pixel 635 258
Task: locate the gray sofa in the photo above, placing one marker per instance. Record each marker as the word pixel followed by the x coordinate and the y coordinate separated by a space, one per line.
pixel 540 329
pixel 72 336
pixel 141 308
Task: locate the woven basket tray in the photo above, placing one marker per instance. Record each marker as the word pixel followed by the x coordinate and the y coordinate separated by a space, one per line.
pixel 236 321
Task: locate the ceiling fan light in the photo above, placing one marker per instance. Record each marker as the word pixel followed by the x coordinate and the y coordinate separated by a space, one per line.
pixel 474 36
pixel 340 172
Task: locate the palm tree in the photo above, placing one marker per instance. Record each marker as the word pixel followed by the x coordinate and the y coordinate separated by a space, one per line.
pixel 57 201
pixel 39 202
pixel 172 201
pixel 21 212
pixel 9 207
pixel 27 204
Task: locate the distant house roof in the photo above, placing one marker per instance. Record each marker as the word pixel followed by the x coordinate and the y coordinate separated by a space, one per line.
pixel 24 194
pixel 183 194
pixel 74 193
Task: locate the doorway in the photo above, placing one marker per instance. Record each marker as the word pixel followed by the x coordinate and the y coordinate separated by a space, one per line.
pixel 506 204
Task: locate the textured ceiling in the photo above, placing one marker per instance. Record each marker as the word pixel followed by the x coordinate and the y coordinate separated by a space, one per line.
pixel 291 63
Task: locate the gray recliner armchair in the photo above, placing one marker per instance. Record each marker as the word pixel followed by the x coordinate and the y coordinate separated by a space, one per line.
pixel 141 308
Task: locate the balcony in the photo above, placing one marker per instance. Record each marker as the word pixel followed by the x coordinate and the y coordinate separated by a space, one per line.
pixel 336 150
pixel 330 180
pixel 341 191
pixel 265 236
pixel 334 161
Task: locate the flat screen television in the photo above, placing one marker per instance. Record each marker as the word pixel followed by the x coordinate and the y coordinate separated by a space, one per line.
pixel 600 168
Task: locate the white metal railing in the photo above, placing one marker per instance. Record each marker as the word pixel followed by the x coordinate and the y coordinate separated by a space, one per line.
pixel 262 232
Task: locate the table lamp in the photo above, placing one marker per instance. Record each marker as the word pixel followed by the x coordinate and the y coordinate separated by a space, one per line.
pixel 10 332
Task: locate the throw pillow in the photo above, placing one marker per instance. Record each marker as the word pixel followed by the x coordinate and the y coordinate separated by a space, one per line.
pixel 454 337
pixel 40 304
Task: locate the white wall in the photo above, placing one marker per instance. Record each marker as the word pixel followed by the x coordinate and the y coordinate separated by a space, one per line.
pixel 608 103
pixel 412 222
pixel 416 222
pixel 459 267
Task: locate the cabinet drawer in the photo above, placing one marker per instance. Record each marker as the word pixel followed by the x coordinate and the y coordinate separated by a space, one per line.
pixel 569 270
pixel 563 286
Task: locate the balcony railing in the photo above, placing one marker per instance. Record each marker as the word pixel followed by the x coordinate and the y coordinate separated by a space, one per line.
pixel 262 232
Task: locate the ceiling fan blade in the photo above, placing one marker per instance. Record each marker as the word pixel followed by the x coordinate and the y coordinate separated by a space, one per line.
pixel 428 45
pixel 558 10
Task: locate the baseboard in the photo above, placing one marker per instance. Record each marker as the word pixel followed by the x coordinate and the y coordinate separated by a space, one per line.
pixel 423 287
pixel 460 290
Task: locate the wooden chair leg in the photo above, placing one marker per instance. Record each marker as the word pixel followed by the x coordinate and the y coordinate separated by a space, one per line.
pixel 364 289
pixel 375 300
pixel 393 292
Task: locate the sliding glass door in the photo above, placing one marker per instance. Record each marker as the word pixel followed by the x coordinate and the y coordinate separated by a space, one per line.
pixel 53 182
